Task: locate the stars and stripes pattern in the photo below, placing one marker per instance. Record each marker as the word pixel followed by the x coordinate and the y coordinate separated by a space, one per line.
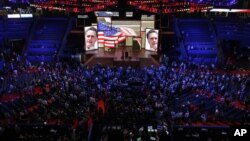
pixel 111 38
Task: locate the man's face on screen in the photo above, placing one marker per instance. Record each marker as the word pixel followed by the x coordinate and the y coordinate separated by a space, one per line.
pixel 153 40
pixel 90 39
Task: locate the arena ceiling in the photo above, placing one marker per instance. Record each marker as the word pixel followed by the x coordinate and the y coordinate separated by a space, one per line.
pixel 153 6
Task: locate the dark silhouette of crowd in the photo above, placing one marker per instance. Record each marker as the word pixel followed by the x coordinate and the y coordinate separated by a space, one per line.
pixel 60 101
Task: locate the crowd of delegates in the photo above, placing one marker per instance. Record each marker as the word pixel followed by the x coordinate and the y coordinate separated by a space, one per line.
pixel 68 95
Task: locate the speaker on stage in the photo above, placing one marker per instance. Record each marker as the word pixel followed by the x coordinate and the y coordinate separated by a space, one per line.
pixel 126 54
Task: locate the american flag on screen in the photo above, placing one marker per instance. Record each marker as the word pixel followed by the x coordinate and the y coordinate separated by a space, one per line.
pixel 110 38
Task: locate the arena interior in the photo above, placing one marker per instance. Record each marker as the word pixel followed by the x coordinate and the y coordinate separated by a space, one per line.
pixel 191 84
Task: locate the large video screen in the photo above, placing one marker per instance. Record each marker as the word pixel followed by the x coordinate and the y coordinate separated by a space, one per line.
pixel 152 37
pixel 120 32
pixel 130 28
pixel 90 35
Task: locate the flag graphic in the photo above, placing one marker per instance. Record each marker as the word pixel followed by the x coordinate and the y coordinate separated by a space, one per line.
pixel 110 38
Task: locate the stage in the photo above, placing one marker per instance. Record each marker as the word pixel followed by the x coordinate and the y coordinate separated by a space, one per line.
pixel 122 56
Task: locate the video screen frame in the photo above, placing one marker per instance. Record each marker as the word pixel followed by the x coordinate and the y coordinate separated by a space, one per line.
pixel 89 39
pixel 150 44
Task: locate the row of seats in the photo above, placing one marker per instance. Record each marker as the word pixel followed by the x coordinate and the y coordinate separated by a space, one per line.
pixel 14 29
pixel 199 40
pixel 46 39
pixel 232 28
